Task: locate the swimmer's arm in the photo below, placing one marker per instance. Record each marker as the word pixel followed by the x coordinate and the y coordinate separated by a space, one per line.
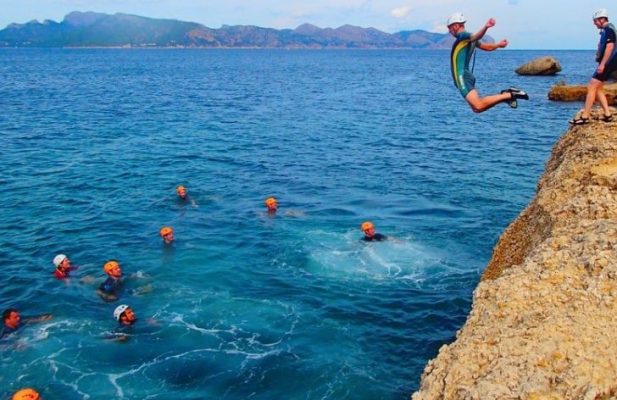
pixel 116 337
pixel 493 46
pixel 480 34
pixel 37 318
pixel 107 296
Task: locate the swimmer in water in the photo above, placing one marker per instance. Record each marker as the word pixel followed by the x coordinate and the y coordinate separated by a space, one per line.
pixel 183 195
pixel 125 315
pixel 167 233
pixel 271 205
pixel 369 232
pixel 111 288
pixel 13 321
pixel 26 394
pixel 181 191
pixel 63 266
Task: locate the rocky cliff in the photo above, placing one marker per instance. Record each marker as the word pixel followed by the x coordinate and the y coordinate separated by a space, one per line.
pixel 543 324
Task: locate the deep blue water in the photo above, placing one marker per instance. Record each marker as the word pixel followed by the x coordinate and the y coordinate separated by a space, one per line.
pixel 250 306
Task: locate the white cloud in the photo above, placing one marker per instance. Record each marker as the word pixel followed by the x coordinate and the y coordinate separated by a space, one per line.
pixel 401 12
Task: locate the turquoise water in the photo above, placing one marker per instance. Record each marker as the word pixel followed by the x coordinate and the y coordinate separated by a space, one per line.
pixel 249 305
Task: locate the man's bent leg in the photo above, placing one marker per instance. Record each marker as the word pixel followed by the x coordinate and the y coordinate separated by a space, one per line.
pixel 601 97
pixel 480 104
pixel 592 90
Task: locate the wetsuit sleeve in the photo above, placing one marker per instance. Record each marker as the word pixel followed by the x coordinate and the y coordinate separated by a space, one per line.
pixel 464 36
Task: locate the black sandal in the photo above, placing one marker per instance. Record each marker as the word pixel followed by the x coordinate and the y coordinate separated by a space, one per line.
pixel 579 121
pixel 607 118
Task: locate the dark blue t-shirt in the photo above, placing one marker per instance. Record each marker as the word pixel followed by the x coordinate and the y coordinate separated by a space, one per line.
pixel 607 35
pixel 111 286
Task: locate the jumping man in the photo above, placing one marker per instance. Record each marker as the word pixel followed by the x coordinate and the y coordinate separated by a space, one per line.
pixel 462 51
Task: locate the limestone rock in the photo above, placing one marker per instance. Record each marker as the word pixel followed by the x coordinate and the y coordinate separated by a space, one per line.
pixel 540 66
pixel 563 92
pixel 543 323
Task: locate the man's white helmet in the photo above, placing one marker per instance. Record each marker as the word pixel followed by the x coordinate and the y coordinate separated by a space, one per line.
pixel 601 13
pixel 119 310
pixel 456 18
pixel 58 259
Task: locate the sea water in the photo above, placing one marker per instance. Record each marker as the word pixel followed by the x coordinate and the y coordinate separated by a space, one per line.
pixel 247 305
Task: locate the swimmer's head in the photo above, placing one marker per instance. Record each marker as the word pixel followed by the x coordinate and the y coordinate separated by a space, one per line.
pixel 112 268
pixel 11 318
pixel 181 191
pixel 26 394
pixel 271 203
pixel 167 233
pixel 62 261
pixel 368 228
pixel 124 315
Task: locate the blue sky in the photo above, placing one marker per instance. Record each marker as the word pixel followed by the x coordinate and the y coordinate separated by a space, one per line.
pixel 527 24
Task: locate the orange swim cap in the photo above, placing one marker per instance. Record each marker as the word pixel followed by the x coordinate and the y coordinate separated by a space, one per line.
pixel 166 230
pixel 26 394
pixel 367 225
pixel 109 265
pixel 270 201
pixel 179 188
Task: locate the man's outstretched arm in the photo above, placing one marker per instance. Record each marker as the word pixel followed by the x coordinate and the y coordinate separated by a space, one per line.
pixel 480 34
pixel 493 46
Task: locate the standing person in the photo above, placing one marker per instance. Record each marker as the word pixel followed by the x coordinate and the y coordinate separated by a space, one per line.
pixel 462 52
pixel 606 56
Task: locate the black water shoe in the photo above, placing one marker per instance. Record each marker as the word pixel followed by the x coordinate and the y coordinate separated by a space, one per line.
pixel 516 93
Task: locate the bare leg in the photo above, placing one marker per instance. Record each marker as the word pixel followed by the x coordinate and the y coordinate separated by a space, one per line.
pixel 601 97
pixel 592 90
pixel 480 104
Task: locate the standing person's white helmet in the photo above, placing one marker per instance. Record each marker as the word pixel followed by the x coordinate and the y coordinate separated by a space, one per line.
pixel 601 13
pixel 456 18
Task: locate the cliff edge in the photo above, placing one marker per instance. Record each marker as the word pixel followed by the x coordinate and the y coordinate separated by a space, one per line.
pixel 543 323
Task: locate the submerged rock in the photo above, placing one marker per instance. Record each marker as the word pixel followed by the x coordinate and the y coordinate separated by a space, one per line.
pixel 540 66
pixel 563 92
pixel 543 324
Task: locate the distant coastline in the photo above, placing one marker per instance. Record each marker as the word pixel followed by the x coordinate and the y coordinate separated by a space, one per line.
pixel 97 30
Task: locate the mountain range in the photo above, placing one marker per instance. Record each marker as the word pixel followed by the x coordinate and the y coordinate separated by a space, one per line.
pixel 90 29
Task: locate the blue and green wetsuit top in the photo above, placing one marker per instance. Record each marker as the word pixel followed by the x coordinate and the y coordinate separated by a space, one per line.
pixel 462 51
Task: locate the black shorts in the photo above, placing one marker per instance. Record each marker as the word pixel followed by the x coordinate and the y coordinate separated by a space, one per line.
pixel 611 67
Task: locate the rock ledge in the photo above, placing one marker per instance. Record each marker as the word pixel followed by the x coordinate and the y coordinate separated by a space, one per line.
pixel 543 324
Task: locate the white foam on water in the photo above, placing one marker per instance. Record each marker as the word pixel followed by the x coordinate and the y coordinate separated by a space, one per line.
pixel 396 258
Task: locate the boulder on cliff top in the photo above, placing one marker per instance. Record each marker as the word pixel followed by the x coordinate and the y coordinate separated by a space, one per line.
pixel 540 66
pixel 563 92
